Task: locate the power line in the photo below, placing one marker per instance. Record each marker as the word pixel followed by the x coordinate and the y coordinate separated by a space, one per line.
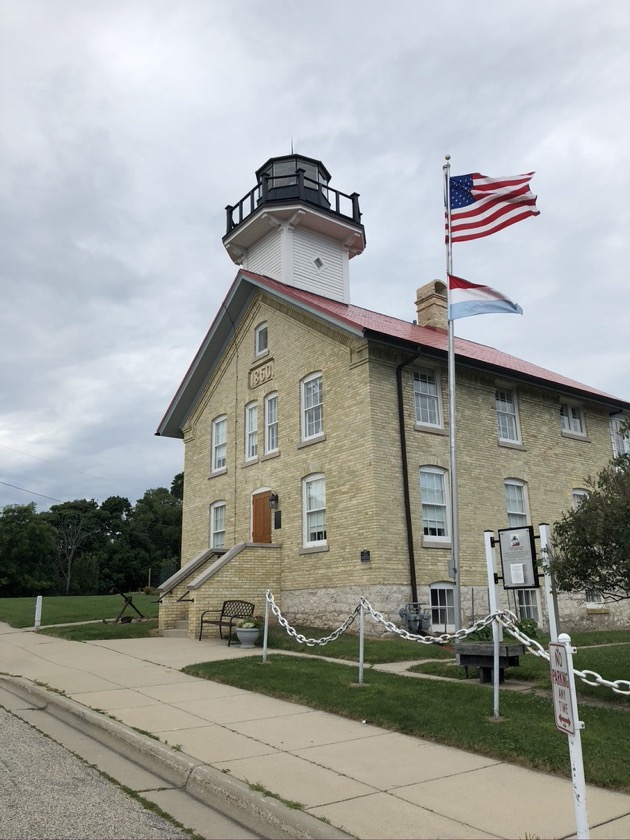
pixel 71 469
pixel 32 492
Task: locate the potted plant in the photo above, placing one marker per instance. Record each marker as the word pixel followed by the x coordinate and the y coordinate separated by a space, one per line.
pixel 247 631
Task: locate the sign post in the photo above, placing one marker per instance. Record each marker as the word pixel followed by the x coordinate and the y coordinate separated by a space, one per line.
pixel 496 629
pixel 38 612
pixel 565 710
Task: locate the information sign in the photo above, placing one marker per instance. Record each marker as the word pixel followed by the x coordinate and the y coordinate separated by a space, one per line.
pixel 518 558
pixel 563 691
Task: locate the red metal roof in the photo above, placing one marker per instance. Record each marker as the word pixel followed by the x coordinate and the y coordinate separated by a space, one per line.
pixel 359 319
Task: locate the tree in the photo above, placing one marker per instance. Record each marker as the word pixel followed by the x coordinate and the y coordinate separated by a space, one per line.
pixel 155 532
pixel 591 544
pixel 79 534
pixel 27 552
pixel 177 486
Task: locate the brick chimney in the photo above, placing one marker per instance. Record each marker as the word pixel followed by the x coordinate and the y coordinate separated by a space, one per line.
pixel 431 305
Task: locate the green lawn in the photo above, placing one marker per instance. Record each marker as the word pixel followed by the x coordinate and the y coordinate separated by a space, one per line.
pixel 375 651
pixel 611 662
pixel 61 609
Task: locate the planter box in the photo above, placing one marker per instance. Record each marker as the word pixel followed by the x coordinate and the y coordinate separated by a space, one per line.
pixel 481 655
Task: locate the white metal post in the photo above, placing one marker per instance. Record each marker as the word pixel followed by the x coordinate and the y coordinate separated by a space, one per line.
pixel 266 630
pixel 550 591
pixel 361 640
pixel 575 751
pixel 38 612
pixel 496 636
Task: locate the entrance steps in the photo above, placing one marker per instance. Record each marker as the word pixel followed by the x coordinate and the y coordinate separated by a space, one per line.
pixel 180 631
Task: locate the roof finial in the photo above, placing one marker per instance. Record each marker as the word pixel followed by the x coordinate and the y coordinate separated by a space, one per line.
pixel 292 152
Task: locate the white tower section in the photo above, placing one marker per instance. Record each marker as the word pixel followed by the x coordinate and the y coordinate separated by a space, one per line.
pixel 295 228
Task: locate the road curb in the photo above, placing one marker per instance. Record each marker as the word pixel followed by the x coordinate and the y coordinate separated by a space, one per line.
pixel 231 797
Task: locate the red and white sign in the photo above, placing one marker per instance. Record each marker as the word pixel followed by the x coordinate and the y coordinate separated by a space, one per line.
pixel 563 689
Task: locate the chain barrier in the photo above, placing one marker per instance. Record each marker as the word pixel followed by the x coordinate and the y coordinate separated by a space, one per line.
pixel 508 620
pixel 302 639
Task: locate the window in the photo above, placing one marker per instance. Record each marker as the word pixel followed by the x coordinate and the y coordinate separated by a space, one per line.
pixel 426 397
pixel 594 596
pixel 527 604
pixel 507 424
pixel 620 442
pixel 442 607
pixel 271 423
pixel 314 506
pixel 433 499
pixel 312 406
pixel 219 444
pixel 261 338
pixel 515 503
pixel 572 419
pixel 251 431
pixel 217 525
pixel 578 495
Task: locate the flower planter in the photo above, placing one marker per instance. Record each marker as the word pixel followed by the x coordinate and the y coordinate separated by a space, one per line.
pixel 247 636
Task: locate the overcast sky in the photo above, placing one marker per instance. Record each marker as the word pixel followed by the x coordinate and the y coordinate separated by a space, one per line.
pixel 127 125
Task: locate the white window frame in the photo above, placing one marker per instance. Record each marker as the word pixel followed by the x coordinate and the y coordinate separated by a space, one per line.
pixel 516 518
pixel 527 604
pixel 510 417
pixel 251 431
pixel 594 598
pixel 219 444
pixel 427 397
pixel 217 524
pixel 271 423
pixel 572 420
pixel 312 413
pixel 578 495
pixel 312 512
pixel 620 443
pixel 442 605
pixel 261 339
pixel 430 502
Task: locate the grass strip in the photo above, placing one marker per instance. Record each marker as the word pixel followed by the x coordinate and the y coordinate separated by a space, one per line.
pixel 375 651
pixel 454 714
pixel 96 632
pixel 612 663
pixel 61 609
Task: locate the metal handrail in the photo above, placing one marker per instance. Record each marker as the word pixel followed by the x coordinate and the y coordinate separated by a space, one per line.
pixel 261 193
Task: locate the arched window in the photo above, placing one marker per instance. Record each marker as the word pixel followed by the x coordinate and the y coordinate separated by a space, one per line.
pixel 271 423
pixel 312 406
pixel 217 525
pixel 219 444
pixel 434 500
pixel 442 607
pixel 261 339
pixel 515 502
pixel 314 510
pixel 251 431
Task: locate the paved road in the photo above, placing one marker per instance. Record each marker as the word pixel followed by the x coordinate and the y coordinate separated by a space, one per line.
pixel 47 793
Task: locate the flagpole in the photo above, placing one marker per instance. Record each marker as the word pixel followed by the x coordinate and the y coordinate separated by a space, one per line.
pixel 452 431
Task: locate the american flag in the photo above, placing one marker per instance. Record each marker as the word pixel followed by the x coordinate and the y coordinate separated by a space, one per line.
pixel 481 206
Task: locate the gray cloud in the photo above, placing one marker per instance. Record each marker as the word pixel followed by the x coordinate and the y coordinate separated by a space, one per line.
pixel 129 125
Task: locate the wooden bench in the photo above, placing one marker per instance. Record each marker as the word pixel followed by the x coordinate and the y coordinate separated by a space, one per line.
pixel 228 616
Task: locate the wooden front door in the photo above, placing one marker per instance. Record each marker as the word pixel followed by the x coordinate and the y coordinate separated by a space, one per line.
pixel 261 518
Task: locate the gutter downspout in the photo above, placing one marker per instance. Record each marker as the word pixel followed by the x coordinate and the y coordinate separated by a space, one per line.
pixel 405 475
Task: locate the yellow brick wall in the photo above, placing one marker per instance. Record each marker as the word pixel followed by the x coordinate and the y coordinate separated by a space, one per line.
pixel 246 577
pixel 361 460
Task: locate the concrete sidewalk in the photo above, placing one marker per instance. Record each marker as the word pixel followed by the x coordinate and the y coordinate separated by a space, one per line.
pixel 365 781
